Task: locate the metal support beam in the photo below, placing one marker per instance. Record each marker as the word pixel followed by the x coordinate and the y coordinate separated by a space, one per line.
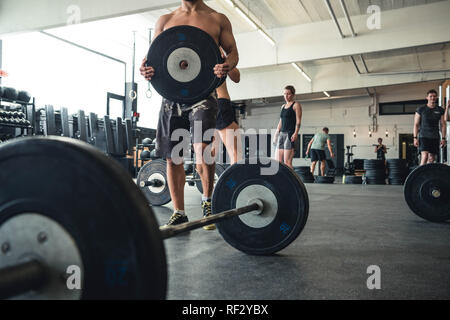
pixel 347 16
pixel 364 63
pixel 356 66
pixel 333 16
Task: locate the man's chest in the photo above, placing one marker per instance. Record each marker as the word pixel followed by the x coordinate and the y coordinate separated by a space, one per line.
pixel 205 23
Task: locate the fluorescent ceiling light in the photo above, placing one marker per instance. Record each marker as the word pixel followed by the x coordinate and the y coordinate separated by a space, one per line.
pixel 247 18
pixel 327 94
pixel 301 71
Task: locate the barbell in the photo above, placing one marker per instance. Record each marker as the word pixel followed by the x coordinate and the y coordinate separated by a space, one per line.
pixel 63 204
pixel 427 192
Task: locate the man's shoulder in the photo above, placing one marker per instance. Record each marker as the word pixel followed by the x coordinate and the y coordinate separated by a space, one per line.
pixel 163 19
pixel 420 109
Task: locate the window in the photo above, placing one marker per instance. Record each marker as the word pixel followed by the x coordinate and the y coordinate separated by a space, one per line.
pixel 404 107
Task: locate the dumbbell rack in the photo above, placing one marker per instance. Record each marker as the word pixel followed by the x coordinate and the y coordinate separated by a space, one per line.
pixel 23 119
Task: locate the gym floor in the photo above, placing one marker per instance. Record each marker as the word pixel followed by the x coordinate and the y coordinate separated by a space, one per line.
pixel 350 227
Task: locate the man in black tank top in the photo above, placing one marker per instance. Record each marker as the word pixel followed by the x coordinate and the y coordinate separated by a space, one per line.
pixel 426 129
pixel 288 127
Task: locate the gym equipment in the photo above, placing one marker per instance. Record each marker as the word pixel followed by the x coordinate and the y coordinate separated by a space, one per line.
pixel 184 58
pixel 397 171
pixel 10 93
pixel 427 192
pixel 353 179
pixel 152 179
pixel 24 96
pixel 324 179
pixel 88 214
pixel 305 174
pixel 75 206
pixel 349 166
pixel 375 171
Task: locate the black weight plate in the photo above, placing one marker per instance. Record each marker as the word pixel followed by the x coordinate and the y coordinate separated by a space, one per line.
pixel 307 180
pixel 10 93
pixel 286 223
pixel 156 169
pixel 419 196
pixel 1 92
pixel 324 179
pixel 190 44
pixel 94 199
pixel 302 169
pixel 353 180
pixel 219 170
pixel 24 96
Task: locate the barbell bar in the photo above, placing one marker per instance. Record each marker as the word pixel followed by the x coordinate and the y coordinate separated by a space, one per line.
pixel 33 274
pixel 79 208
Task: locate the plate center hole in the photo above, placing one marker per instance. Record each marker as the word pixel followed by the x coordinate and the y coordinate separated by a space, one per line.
pixel 184 65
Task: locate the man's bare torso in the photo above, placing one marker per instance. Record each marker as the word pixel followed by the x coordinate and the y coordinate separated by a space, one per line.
pixel 206 19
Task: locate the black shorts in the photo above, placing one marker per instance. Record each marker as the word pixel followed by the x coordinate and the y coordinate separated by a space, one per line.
pixel 173 117
pixel 226 114
pixel 429 145
pixel 318 155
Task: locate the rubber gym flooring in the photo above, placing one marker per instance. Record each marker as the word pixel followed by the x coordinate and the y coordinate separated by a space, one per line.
pixel 349 229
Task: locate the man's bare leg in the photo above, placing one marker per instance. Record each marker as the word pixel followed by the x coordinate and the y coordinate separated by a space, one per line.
pixel 431 157
pixel 424 158
pixel 176 179
pixel 205 171
pixel 322 167
pixel 313 167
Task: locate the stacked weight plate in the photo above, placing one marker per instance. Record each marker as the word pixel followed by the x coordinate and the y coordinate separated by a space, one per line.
pixel 324 179
pixel 375 171
pixel 353 180
pixel 305 174
pixel 397 171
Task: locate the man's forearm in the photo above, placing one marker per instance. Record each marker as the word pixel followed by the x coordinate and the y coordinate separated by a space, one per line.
pixel 232 59
pixel 444 130
pixel 416 131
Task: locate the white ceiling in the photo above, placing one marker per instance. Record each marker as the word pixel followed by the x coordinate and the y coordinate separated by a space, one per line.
pixel 115 36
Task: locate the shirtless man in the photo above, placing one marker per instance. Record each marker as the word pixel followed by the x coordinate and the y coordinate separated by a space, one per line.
pixel 175 116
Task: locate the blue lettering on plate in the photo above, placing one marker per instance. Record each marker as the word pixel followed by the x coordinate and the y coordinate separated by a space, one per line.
pixel 184 92
pixel 181 37
pixel 231 184
pixel 284 228
pixel 116 272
